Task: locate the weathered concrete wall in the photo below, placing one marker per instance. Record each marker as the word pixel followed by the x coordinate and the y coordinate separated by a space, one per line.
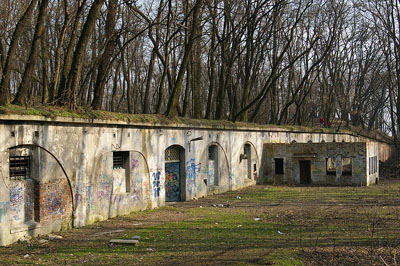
pixel 74 182
pixel 330 163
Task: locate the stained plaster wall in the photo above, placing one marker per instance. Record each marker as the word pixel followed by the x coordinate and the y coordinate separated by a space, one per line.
pixel 77 182
pixel 318 153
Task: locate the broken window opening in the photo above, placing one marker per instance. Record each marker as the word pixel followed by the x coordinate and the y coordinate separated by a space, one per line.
pixel 373 165
pixel 347 166
pixel 121 161
pixel 330 166
pixel 19 167
pixel 278 166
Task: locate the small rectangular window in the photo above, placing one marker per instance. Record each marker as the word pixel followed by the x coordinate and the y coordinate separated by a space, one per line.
pixel 330 166
pixel 19 167
pixel 347 166
pixel 279 166
pixel 212 150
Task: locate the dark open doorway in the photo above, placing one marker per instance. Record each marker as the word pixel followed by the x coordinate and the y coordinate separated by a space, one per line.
pixel 305 172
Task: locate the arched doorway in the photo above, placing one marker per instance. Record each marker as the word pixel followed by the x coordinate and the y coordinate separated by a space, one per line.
pixel 249 162
pixel 174 174
pixel 39 188
pixel 218 170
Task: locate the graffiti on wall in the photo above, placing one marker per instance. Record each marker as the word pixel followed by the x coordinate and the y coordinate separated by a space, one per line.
pixel 17 202
pixel 55 204
pixel 172 181
pixel 119 181
pixel 156 183
pixel 89 192
pixel 4 211
pixel 192 170
pixel 104 186
pixel 134 164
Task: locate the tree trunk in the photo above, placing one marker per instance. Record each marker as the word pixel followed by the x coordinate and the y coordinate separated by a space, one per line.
pixel 104 64
pixel 19 30
pixel 70 52
pixel 21 97
pixel 69 94
pixel 173 100
pixel 45 68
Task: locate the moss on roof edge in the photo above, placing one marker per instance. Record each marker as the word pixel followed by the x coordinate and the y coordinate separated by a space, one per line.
pixel 87 115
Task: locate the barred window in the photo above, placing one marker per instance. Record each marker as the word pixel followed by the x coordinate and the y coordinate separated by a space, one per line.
pixel 119 157
pixel 172 154
pixel 19 167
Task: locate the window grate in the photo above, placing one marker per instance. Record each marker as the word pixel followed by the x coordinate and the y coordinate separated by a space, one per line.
pixel 172 154
pixel 19 166
pixel 118 159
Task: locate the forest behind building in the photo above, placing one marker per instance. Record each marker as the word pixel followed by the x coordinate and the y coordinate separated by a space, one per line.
pixel 264 61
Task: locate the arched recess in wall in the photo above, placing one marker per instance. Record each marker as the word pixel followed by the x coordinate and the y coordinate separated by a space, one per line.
pixel 120 185
pixel 36 194
pixel 218 169
pixel 249 161
pixel 175 176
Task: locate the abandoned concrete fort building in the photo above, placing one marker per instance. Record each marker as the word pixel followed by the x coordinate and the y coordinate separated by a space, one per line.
pixel 62 172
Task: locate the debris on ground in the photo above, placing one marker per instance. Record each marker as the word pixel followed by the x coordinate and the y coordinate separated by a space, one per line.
pixel 111 232
pixel 124 241
pixel 54 237
pixel 257 219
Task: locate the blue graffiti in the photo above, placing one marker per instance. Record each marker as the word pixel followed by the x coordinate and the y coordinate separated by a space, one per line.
pixel 55 204
pixel 16 194
pixel 134 164
pixel 192 170
pixel 156 183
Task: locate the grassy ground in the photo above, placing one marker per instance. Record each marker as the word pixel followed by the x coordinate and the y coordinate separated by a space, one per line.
pixel 260 225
